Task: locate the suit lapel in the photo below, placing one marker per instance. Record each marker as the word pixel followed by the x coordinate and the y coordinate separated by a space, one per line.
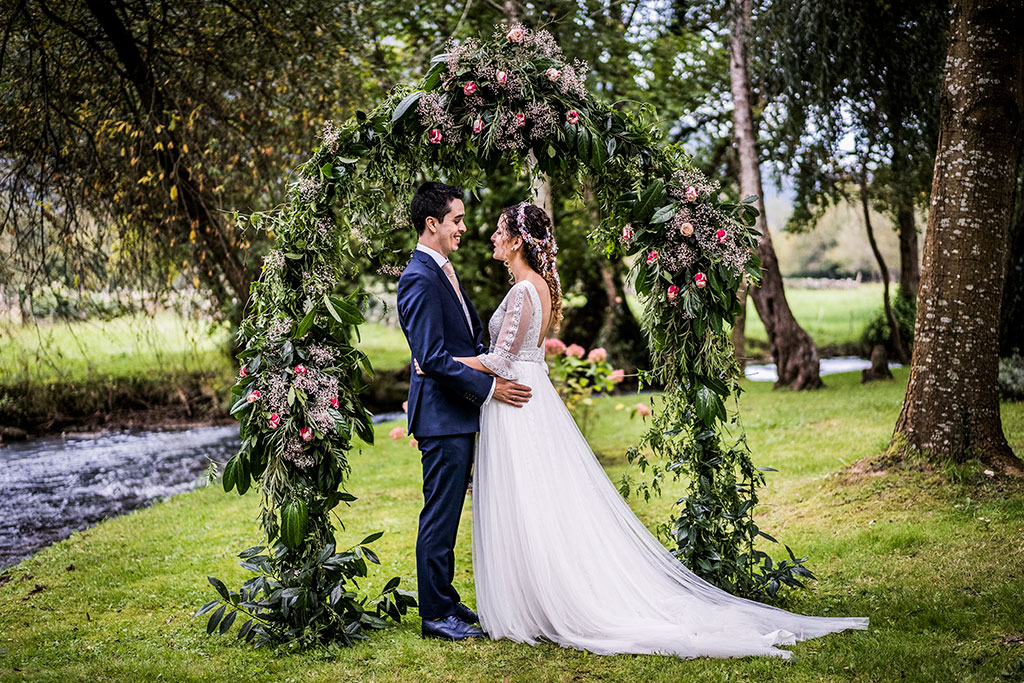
pixel 445 284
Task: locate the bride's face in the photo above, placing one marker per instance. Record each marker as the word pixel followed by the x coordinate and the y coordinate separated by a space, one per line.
pixel 504 246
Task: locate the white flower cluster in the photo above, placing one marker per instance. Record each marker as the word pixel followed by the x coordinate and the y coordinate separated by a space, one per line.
pixel 331 136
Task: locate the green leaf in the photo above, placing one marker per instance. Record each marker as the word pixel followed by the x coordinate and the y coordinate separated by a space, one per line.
pixel 215 619
pixel 206 608
pixel 294 518
pixel 664 214
pixel 307 322
pixel 749 199
pixel 240 405
pixel 219 585
pixel 404 106
pixel 392 584
pixel 433 77
pixel 230 476
pixel 371 538
pixel 226 624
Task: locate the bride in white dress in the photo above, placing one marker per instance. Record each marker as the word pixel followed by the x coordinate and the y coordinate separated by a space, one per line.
pixel 557 553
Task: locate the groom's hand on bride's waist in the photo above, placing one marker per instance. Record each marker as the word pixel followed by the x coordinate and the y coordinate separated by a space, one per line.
pixel 511 393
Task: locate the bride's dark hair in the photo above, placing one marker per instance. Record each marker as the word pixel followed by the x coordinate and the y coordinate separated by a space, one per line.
pixel 532 224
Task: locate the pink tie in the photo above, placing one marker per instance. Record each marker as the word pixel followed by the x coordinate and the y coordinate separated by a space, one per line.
pixel 450 272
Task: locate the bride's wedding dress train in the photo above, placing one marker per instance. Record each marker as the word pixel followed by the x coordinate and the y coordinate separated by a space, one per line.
pixel 559 556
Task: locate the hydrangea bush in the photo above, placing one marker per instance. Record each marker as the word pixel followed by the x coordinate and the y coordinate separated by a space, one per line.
pixel 578 375
pixel 514 97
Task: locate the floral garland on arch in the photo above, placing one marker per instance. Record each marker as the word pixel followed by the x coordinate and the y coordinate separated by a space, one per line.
pixel 514 98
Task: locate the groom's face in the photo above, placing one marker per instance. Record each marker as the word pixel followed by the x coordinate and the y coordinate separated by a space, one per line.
pixel 450 229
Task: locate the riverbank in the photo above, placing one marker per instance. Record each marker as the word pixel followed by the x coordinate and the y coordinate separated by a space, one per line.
pixel 931 556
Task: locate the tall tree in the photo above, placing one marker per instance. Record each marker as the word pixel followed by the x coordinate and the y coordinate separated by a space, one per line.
pixel 951 408
pixel 794 352
pixel 869 69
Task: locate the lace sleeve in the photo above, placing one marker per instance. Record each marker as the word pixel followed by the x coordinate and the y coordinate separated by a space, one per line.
pixel 506 344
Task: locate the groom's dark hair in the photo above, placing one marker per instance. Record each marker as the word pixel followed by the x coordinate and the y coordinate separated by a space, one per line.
pixel 432 199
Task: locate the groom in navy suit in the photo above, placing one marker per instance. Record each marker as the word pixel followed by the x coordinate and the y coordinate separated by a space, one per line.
pixel 440 323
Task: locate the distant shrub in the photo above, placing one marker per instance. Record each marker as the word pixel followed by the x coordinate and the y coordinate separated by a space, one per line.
pixel 1011 377
pixel 877 329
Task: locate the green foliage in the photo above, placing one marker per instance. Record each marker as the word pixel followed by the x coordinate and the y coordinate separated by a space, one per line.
pixel 877 331
pixel 578 375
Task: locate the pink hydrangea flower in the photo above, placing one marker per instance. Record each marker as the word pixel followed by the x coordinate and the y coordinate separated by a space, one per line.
pixel 701 280
pixel 334 402
pixel 553 74
pixel 397 433
pixel 616 377
pixel 572 116
pixel 574 350
pixel 501 77
pixel 413 442
pixel 598 355
pixel 478 126
pixel 554 347
pixel 306 433
pixel 515 34
pixel 652 257
pixel 274 421
pixel 301 370
pixel 435 136
pixel 252 397
pixel 469 88
pixel 673 292
pixel 686 228
pixel 691 194
pixel 721 236
pixel 643 409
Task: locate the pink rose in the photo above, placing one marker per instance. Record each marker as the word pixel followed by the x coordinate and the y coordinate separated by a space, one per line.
pixel 274 420
pixel 397 433
pixel 469 88
pixel 691 193
pixel 572 117
pixel 306 433
pixel 478 125
pixel 643 409
pixel 501 77
pixel 243 372
pixel 413 442
pixel 301 370
pixel 686 228
pixel 554 347
pixel 405 406
pixel 515 34
pixel 435 136
pixel 617 376
pixel 334 402
pixel 627 233
pixel 574 350
pixel 520 118
pixel 701 279
pixel 652 257
pixel 673 292
pixel 252 397
pixel 598 355
pixel 553 74
pixel 721 236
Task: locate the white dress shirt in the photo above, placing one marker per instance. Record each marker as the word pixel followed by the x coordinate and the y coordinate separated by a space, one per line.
pixel 440 261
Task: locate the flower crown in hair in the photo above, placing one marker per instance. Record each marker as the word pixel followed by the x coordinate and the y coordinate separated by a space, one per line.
pixel 538 244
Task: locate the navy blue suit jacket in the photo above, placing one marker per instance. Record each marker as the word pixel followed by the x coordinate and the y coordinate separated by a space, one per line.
pixel 447 399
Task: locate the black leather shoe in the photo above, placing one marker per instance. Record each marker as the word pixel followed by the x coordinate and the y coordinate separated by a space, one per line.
pixel 465 614
pixel 449 628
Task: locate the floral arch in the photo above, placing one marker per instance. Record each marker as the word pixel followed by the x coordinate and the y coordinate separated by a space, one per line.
pixel 517 98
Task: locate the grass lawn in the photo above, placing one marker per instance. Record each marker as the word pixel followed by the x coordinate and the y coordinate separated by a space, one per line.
pixel 934 559
pixel 835 318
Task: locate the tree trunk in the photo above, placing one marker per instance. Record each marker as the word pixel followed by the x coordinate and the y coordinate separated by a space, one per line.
pixel 951 409
pixel 1011 321
pixel 894 327
pixel 910 269
pixel 794 352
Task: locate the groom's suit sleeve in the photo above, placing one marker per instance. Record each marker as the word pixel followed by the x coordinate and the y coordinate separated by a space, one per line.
pixel 419 307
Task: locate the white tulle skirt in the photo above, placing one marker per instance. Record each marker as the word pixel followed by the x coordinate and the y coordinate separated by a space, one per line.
pixel 559 556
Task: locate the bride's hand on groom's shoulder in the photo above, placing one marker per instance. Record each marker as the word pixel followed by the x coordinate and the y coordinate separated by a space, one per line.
pixel 511 393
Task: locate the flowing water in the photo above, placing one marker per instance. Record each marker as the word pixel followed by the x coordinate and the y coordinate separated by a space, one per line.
pixel 826 366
